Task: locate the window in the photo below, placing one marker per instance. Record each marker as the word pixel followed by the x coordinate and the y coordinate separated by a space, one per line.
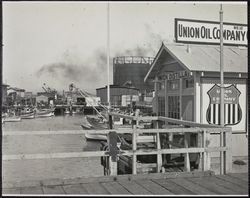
pixel 188 83
pixel 174 107
pixel 173 85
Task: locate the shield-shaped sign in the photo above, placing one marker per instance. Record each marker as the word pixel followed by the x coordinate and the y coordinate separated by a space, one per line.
pixel 232 109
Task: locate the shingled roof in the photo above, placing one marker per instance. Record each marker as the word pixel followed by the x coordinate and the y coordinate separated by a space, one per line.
pixel 204 58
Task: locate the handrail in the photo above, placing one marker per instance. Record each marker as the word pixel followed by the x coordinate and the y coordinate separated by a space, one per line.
pixel 167 119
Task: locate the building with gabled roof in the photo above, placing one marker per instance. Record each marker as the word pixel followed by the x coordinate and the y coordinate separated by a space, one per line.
pixel 187 86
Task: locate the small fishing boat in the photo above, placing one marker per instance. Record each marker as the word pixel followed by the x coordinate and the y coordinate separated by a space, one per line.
pixel 86 126
pixel 44 114
pixel 96 122
pixel 12 119
pixel 28 115
pixel 92 123
pixel 97 137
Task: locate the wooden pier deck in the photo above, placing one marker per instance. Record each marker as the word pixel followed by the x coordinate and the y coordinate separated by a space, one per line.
pixel 195 183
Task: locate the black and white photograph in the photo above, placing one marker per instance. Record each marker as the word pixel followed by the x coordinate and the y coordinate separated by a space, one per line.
pixel 124 98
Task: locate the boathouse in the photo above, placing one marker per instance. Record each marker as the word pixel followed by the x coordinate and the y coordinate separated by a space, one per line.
pixel 187 86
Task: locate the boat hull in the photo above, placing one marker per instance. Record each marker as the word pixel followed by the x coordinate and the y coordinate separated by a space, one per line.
pixel 18 119
pixel 95 137
pixel 28 116
pixel 86 126
pixel 43 115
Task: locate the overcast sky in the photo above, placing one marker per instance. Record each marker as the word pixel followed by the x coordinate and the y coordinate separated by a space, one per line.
pixel 58 43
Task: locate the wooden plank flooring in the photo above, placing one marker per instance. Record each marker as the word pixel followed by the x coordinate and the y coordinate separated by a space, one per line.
pixel 230 184
pixel 134 188
pixel 172 187
pixel 32 190
pixel 115 188
pixel 95 188
pixel 75 189
pixel 153 188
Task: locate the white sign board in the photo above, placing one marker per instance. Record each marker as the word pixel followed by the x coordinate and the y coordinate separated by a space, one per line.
pixel 208 32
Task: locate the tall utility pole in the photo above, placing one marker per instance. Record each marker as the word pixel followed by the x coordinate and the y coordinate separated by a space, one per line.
pixel 222 140
pixel 221 70
pixel 108 88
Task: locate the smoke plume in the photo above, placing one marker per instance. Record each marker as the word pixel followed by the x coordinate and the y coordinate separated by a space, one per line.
pixel 86 73
pixel 90 72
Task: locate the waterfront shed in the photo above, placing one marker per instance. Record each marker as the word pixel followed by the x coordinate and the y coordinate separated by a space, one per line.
pixel 118 95
pixel 187 86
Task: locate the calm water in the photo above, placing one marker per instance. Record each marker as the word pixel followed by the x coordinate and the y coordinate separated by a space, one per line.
pixel 53 123
pixel 21 170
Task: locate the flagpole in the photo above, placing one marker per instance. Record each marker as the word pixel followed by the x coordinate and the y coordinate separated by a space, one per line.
pixel 108 87
pixel 222 141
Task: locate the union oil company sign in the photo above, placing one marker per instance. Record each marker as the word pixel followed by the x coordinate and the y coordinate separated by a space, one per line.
pixel 232 109
pixel 208 32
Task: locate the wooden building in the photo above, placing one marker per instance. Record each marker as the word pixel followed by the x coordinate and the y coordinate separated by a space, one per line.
pixel 119 95
pixel 187 86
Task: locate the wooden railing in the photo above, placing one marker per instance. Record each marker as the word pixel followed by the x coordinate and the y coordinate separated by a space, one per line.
pixel 202 130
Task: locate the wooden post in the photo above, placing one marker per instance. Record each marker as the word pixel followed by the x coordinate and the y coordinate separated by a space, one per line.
pixel 180 97
pixel 201 101
pixel 158 142
pixel 187 161
pixel 204 156
pixel 170 135
pixel 166 100
pixel 134 159
pixel 110 122
pixel 112 162
pixel 228 154
pixel 221 152
pixel 113 151
pixel 199 144
pixel 156 96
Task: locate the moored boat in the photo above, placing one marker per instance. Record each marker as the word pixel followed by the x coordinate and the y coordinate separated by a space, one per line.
pixel 28 115
pixel 97 137
pixel 12 119
pixel 93 125
pixel 44 114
